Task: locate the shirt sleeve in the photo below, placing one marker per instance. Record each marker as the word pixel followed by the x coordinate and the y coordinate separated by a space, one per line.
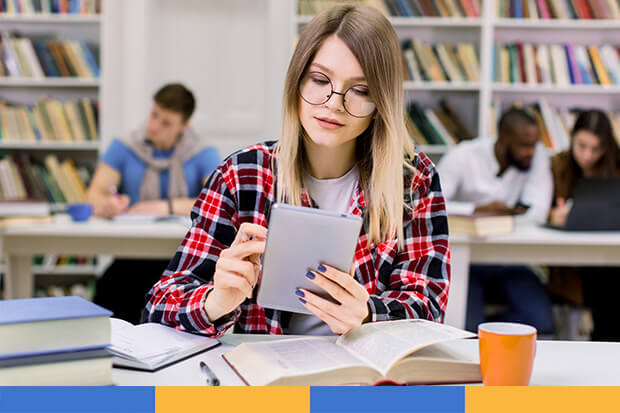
pixel 419 278
pixel 178 298
pixel 538 188
pixel 116 155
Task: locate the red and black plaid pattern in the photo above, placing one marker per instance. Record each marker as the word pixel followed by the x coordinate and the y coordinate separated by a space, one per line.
pixel 410 283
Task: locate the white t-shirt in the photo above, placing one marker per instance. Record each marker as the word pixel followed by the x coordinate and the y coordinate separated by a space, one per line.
pixel 468 175
pixel 331 195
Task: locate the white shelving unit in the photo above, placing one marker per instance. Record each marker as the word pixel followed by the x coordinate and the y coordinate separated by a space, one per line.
pixel 29 90
pixel 484 32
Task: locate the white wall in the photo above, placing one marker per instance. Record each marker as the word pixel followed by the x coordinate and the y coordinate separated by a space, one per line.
pixel 232 54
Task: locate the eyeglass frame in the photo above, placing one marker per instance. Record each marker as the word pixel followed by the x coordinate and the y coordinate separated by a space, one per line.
pixel 333 91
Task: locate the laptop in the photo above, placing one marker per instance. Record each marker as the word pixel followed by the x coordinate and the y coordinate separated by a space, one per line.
pixel 596 206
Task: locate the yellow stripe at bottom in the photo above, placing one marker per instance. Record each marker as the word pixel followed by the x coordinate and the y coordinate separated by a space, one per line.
pixel 232 399
pixel 542 399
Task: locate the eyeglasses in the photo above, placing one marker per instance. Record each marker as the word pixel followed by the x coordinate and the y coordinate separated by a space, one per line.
pixel 316 89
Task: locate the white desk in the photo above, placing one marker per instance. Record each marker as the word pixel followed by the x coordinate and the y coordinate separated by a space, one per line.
pixel 527 245
pixel 97 236
pixel 558 363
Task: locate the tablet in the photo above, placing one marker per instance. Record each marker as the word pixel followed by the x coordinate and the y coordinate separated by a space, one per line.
pixel 299 239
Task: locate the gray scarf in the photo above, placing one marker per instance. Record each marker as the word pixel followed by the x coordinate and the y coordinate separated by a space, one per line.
pixel 187 145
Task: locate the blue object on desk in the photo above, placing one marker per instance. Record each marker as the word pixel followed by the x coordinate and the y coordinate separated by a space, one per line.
pixel 80 212
pixel 26 310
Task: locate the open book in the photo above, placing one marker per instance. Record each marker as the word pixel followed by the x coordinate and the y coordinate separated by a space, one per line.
pixel 152 346
pixel 403 351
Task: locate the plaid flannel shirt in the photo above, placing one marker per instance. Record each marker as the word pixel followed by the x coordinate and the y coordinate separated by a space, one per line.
pixel 410 283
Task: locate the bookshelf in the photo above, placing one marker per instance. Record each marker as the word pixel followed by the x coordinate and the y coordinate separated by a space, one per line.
pixel 475 99
pixel 26 91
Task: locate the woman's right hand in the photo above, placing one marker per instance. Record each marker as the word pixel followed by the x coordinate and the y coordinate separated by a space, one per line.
pixel 559 213
pixel 114 205
pixel 236 272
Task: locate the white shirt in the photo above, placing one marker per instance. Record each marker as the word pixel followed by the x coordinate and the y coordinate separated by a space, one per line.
pixel 331 195
pixel 468 175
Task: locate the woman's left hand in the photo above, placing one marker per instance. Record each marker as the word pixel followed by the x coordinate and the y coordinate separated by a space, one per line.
pixel 352 296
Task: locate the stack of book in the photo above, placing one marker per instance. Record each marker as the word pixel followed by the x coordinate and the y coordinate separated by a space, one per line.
pixel 440 62
pixel 49 120
pixel 50 6
pixel 481 224
pixel 556 64
pixel 54 341
pixel 440 126
pixel 555 124
pixel 41 58
pixel 53 181
pixel 558 9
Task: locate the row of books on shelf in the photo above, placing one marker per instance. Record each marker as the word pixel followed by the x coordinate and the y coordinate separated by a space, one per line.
pixel 53 181
pixel 556 64
pixel 404 8
pixel 558 9
pixel 44 57
pixel 49 120
pixel 440 126
pixel 440 62
pixel 555 124
pixel 50 6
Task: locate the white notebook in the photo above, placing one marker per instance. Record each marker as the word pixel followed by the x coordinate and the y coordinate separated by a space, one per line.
pixel 152 346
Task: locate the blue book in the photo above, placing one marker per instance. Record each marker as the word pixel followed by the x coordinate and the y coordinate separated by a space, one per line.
pixel 45 57
pixel 49 324
pixel 90 58
pixel 404 8
pixel 67 368
pixel 517 9
pixel 572 75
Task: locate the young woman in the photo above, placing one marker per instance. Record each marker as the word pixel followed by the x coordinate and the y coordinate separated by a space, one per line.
pixel 343 147
pixel 594 152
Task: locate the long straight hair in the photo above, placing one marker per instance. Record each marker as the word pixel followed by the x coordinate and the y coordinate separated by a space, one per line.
pixel 597 123
pixel 382 148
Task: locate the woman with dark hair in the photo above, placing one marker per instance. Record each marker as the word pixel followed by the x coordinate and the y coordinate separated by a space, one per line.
pixel 594 152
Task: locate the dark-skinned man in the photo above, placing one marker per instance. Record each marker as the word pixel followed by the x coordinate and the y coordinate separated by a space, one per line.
pixel 509 175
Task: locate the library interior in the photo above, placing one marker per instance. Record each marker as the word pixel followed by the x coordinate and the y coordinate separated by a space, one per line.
pixel 445 171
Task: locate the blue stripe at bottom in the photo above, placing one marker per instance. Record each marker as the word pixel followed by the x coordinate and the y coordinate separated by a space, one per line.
pixel 77 399
pixel 387 399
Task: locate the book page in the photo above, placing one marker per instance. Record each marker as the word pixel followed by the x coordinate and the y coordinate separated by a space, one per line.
pixel 150 340
pixel 382 344
pixel 304 355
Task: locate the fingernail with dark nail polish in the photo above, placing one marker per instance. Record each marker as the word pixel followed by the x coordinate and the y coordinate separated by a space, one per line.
pixel 310 275
pixel 300 293
pixel 302 300
pixel 321 268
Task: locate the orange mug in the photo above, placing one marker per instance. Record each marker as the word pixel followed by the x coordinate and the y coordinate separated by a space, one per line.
pixel 507 352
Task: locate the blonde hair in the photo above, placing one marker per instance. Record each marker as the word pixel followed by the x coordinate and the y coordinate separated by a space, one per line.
pixel 382 148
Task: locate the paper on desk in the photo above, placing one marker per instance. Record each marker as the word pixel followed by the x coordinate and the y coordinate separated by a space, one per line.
pixel 149 340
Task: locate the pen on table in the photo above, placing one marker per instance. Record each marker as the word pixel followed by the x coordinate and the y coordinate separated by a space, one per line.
pixel 212 379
